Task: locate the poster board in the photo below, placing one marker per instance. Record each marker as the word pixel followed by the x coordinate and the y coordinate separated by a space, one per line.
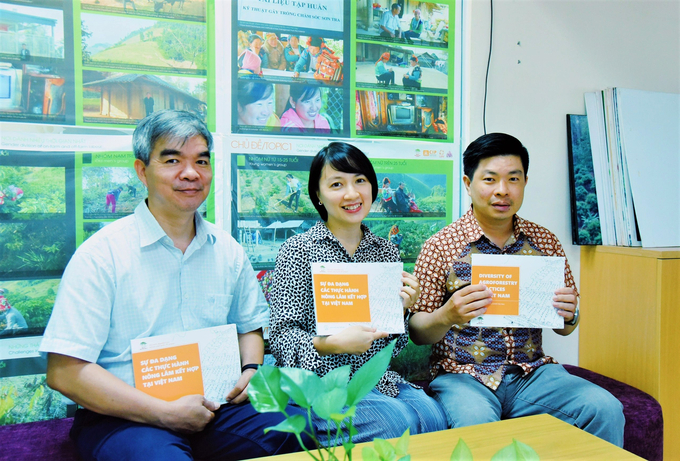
pixel 61 106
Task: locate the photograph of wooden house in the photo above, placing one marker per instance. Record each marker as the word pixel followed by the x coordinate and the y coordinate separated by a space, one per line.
pixel 122 98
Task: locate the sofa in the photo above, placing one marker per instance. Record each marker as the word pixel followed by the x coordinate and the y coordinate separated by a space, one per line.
pixel 643 434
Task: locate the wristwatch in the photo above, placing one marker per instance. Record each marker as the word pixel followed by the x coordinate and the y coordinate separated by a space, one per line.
pixel 573 321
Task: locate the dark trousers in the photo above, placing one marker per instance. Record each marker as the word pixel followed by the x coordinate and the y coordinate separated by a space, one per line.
pixel 409 82
pixel 387 78
pixel 236 432
pixel 294 196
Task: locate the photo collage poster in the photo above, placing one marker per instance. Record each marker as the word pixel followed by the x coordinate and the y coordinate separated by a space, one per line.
pixel 330 69
pixel 270 202
pixel 288 68
pixel 37 239
pixel 402 81
pixel 104 62
pixel 97 67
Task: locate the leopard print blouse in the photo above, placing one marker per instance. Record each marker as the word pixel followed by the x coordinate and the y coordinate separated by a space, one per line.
pixel 293 322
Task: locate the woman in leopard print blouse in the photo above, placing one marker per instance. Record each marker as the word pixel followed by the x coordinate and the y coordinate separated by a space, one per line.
pixel 342 186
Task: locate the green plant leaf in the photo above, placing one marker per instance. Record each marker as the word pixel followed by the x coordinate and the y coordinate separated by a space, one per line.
pixel 461 452
pixel 336 378
pixel 516 451
pixel 301 385
pixel 404 458
pixel 330 403
pixel 265 391
pixel 339 417
pixel 348 446
pixel 369 454
pixel 293 424
pixel 402 444
pixel 366 377
pixel 507 453
pixel 384 449
pixel 524 451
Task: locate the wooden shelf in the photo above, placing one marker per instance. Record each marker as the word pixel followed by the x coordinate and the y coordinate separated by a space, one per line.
pixel 629 316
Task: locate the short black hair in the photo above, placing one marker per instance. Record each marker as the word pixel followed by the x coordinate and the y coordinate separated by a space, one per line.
pixel 492 145
pixel 345 158
pixel 250 91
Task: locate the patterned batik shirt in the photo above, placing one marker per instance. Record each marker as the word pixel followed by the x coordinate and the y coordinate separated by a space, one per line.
pixel 443 267
pixel 293 321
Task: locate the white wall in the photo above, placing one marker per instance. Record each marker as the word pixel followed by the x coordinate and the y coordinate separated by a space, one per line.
pixel 546 54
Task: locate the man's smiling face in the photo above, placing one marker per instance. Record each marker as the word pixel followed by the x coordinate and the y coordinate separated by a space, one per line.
pixel 497 188
pixel 178 175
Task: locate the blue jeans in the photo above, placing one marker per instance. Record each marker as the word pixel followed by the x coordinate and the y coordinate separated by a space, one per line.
pixel 236 432
pixel 549 389
pixel 378 415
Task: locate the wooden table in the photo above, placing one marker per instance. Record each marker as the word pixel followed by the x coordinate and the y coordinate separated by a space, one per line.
pixel 551 438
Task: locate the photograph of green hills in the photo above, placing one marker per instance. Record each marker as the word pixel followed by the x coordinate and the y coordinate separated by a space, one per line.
pixel 142 44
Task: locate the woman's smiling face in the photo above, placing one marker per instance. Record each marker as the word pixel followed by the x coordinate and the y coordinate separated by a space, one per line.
pixel 347 197
pixel 308 110
pixel 256 113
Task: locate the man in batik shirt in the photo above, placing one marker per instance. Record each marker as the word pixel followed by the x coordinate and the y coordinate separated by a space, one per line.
pixel 488 374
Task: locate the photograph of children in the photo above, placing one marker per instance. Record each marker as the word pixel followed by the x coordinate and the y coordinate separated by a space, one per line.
pixel 415 195
pixel 285 57
pixel 288 109
pixel 404 68
pixel 110 192
pixel 31 34
pixel 405 21
pixel 36 93
pixel 407 235
pixel 401 115
pixel 262 238
pixel 29 193
pixel 26 306
pixel 32 399
pixel 187 10
pixel 35 248
pixel 122 98
pixel 144 45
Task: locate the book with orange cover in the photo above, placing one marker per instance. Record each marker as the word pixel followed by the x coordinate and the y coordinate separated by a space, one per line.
pixel 523 288
pixel 204 361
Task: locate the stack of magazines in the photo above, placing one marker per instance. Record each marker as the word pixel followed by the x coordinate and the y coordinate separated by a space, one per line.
pixel 635 141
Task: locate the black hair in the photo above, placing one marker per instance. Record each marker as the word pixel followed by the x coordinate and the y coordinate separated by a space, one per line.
pixel 253 37
pixel 252 91
pixel 345 158
pixel 301 93
pixel 394 6
pixel 492 145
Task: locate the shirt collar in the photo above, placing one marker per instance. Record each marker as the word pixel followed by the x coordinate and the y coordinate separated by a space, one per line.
pixel 475 232
pixel 150 231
